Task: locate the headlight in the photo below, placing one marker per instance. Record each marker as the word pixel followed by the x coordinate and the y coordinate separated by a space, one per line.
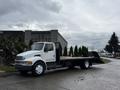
pixel 23 62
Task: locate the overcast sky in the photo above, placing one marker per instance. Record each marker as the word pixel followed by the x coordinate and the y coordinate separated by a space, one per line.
pixel 81 22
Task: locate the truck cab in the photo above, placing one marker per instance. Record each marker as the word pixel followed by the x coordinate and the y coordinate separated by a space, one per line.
pixel 37 58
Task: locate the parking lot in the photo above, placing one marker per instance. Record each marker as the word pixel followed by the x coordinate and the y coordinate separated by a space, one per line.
pixel 99 77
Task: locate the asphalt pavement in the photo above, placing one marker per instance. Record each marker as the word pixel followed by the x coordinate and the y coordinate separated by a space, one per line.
pixel 99 77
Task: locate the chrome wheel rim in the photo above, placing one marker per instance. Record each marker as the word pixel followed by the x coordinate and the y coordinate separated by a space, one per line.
pixel 39 69
pixel 86 64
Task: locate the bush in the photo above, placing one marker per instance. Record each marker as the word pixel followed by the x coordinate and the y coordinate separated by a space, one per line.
pixel 11 47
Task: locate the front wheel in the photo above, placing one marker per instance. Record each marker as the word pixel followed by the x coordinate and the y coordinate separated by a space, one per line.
pixel 38 69
pixel 85 65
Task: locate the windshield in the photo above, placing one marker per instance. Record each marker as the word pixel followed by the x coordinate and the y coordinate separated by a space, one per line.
pixel 37 46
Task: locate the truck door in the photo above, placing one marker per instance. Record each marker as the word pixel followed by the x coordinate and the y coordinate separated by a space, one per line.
pixel 49 53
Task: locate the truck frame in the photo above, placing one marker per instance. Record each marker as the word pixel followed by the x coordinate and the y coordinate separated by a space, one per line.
pixel 46 55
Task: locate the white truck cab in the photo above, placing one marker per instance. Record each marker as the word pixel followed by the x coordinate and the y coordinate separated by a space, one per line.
pixel 36 59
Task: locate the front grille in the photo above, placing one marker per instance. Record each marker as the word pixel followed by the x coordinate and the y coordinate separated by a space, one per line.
pixel 19 58
pixel 18 62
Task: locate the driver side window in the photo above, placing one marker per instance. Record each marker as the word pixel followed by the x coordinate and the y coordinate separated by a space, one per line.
pixel 48 47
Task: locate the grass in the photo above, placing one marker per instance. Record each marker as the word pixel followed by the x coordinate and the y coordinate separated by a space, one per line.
pixel 7 68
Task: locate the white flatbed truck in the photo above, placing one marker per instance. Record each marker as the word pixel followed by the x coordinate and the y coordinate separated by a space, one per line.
pixel 45 56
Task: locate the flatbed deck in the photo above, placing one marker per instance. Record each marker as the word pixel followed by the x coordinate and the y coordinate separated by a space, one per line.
pixel 63 58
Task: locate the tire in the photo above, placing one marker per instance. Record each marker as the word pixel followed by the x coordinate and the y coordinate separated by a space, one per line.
pixel 23 72
pixel 90 63
pixel 38 69
pixel 71 67
pixel 85 65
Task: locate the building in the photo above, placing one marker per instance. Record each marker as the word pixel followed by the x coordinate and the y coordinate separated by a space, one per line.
pixel 12 34
pixel 36 36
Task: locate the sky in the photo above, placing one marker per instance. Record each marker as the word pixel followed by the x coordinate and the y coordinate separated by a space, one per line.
pixel 81 22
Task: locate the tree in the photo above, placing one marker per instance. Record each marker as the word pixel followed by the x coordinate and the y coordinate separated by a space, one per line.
pixel 76 51
pixel 113 44
pixel 65 51
pixel 8 50
pixel 84 51
pixel 71 51
pixel 80 51
pixel 108 48
pixel 11 47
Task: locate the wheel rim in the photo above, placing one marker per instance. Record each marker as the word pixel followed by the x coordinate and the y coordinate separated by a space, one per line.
pixel 39 69
pixel 86 64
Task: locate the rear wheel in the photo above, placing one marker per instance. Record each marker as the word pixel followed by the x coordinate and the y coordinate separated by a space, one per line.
pixel 85 65
pixel 71 66
pixel 38 69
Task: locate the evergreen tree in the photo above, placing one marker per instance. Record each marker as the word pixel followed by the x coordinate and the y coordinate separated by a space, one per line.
pixel 84 51
pixel 65 51
pixel 113 44
pixel 71 51
pixel 80 51
pixel 76 51
pixel 108 48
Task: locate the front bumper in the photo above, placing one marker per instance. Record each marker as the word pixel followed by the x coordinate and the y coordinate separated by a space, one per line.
pixel 23 68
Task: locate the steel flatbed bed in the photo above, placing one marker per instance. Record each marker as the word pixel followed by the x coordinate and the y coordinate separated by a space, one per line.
pixel 76 58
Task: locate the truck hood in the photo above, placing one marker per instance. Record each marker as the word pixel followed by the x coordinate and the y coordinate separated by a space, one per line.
pixel 29 54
